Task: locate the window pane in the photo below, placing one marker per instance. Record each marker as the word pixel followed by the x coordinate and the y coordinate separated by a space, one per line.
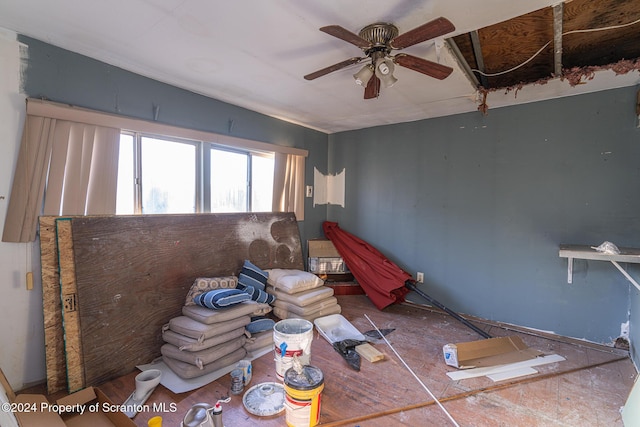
pixel 261 183
pixel 168 176
pixel 125 199
pixel 228 181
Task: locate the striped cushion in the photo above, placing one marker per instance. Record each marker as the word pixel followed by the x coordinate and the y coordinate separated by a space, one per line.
pixel 258 295
pixel 204 284
pixel 208 316
pixel 250 275
pixel 220 298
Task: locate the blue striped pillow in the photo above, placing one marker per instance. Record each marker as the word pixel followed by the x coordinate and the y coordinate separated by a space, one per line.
pixel 250 275
pixel 258 295
pixel 220 298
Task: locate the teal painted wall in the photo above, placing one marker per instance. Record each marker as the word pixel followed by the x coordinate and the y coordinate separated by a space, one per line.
pixel 480 204
pixel 63 76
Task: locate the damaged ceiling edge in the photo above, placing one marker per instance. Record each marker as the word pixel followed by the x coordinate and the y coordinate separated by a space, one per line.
pixel 551 24
pixel 574 76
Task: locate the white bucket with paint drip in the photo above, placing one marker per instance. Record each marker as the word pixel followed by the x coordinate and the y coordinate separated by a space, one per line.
pixel 291 337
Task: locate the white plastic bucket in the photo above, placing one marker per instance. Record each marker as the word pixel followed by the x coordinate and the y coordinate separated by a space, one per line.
pixel 291 337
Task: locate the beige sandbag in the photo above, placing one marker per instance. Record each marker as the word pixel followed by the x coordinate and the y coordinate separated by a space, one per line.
pixel 209 316
pixel 304 298
pixel 203 357
pixel 309 309
pixel 191 328
pixel 187 370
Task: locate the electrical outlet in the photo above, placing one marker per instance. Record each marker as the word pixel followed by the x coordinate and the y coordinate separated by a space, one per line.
pixel 420 277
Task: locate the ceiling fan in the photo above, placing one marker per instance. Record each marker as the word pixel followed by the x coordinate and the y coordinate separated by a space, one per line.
pixel 377 41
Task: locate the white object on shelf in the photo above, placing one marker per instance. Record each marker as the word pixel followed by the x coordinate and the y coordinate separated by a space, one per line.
pixel 336 328
pixel 607 248
pixel 588 252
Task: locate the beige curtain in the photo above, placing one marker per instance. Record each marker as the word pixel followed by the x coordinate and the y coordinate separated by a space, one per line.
pixel 72 165
pixel 288 184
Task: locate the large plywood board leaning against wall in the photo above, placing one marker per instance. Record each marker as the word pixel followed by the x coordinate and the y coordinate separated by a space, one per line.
pixel 68 297
pixel 62 351
pixel 53 333
pixel 124 277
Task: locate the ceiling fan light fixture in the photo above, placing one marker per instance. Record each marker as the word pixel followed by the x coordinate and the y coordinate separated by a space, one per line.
pixel 377 41
pixel 384 71
pixel 363 76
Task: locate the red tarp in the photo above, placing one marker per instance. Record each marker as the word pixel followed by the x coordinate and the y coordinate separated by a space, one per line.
pixel 382 280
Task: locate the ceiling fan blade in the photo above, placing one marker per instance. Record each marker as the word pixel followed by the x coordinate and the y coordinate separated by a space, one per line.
pixel 332 68
pixel 431 29
pixel 346 35
pixel 423 66
pixel 373 88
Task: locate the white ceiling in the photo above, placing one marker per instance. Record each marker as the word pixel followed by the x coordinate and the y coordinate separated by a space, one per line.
pixel 254 54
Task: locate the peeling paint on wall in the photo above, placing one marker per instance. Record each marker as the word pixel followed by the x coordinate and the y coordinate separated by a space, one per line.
pixel 24 63
pixel 329 189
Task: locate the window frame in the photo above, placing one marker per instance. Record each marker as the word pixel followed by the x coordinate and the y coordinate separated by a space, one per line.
pixel 202 160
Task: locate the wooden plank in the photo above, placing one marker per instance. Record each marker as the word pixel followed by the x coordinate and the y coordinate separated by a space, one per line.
pixel 52 308
pixel 134 272
pixel 369 352
pixel 500 53
pixel 491 370
pixel 514 373
pixel 599 47
pixel 70 315
pixel 631 255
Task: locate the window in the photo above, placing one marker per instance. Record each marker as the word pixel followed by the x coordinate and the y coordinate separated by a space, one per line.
pixel 125 194
pixel 74 161
pixel 229 181
pixel 172 175
pixel 262 167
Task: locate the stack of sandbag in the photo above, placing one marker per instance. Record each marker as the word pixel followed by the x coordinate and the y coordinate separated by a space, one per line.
pixel 212 332
pixel 300 294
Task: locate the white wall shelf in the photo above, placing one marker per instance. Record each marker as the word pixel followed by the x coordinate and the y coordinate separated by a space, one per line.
pixel 572 252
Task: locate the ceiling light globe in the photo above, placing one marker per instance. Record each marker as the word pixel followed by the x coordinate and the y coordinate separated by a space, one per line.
pixel 384 71
pixel 363 76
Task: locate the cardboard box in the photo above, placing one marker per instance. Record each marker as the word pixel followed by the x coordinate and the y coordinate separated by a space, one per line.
pixel 86 408
pixel 488 352
pixel 324 258
pixel 322 248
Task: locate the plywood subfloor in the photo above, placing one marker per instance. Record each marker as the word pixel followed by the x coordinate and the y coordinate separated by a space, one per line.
pixel 588 389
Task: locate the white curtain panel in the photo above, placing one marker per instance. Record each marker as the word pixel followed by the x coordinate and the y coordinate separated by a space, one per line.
pixel 288 184
pixel 72 165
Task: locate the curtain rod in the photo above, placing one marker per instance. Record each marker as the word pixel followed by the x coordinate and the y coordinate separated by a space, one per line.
pixel 54 110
